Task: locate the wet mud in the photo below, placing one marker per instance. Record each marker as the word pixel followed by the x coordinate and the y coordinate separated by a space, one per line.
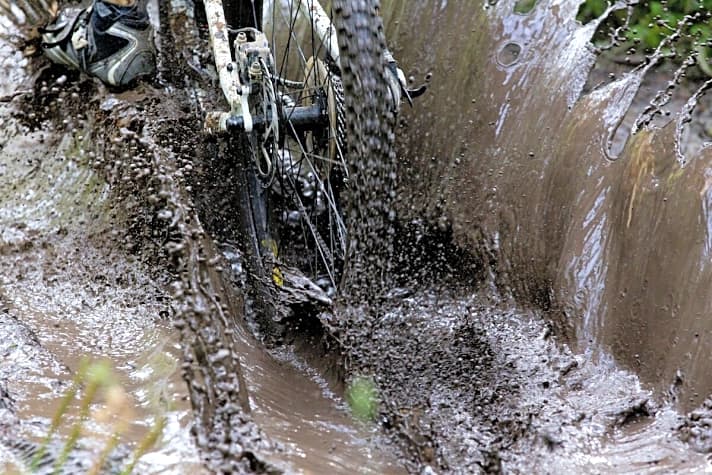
pixel 518 154
pixel 70 287
pixel 527 265
pixel 474 385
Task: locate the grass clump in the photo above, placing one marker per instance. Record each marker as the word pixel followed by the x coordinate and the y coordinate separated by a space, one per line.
pixel 362 396
pixel 680 29
pixel 96 384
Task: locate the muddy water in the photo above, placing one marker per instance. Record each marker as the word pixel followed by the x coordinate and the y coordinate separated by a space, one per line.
pixel 503 152
pixel 479 385
pixel 68 292
pixel 612 243
pixel 616 250
pixel 302 410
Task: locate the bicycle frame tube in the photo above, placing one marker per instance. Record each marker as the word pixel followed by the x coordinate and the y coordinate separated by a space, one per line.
pixel 313 10
pixel 236 93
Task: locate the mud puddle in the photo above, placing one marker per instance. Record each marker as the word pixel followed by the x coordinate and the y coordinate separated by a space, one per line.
pixel 301 408
pixel 69 293
pixel 297 409
pixel 71 319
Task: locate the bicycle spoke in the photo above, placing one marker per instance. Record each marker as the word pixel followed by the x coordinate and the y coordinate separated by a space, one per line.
pixel 307 159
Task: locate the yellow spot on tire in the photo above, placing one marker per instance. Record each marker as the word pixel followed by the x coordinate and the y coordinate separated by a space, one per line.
pixel 277 277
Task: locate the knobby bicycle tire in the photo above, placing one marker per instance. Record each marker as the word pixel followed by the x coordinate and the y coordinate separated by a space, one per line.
pixel 367 122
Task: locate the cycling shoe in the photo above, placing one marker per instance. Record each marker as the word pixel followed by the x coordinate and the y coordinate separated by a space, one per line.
pixel 110 42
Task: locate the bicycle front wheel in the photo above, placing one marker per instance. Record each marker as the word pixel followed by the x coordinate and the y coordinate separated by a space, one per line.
pixel 330 184
pixel 339 178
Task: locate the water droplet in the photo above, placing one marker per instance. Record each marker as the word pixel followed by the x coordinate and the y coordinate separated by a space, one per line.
pixel 509 54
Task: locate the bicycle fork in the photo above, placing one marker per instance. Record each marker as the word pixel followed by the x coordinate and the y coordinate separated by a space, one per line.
pixel 252 49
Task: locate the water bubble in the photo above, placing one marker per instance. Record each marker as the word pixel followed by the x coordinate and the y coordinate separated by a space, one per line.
pixel 509 54
pixel 165 214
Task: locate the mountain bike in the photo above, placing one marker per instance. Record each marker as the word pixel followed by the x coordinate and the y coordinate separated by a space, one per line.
pixel 280 68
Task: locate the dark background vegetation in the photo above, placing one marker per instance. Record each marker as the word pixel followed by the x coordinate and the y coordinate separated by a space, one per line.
pixel 680 28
